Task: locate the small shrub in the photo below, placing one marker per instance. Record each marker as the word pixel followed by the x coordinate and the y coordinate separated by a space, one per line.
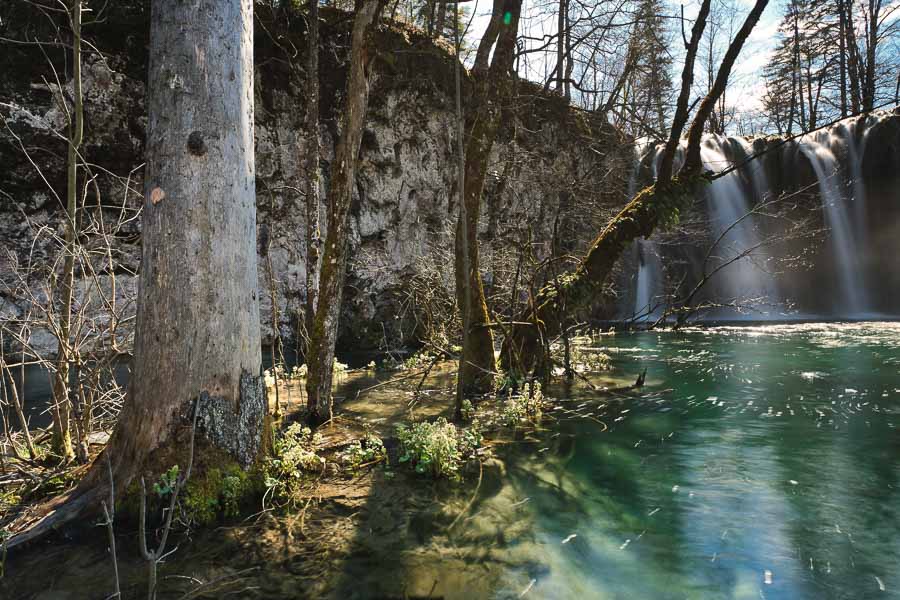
pixel 437 449
pixel 470 439
pixel 293 458
pixel 517 407
pixel 468 410
pixel 590 360
pixel 369 449
pixel 167 482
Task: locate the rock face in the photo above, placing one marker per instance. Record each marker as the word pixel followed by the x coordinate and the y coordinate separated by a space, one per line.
pixel 551 158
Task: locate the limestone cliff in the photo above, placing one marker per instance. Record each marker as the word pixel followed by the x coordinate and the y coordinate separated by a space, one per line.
pixel 555 167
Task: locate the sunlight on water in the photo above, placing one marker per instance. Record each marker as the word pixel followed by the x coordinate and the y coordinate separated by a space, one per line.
pixel 767 465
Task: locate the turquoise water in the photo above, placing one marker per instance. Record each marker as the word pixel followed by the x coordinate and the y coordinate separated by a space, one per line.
pixel 757 462
pixel 770 470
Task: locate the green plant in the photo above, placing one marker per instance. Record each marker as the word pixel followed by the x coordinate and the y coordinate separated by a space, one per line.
pixel 431 448
pixel 468 410
pixel 293 457
pixel 167 482
pixel 359 452
pixel 512 410
pixel 439 448
pixel 517 407
pixel 588 359
pixel 470 439
pixel 219 493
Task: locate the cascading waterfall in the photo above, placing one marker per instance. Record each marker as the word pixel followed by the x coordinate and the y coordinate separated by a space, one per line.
pixel 837 283
pixel 739 246
pixel 838 187
pixel 649 281
pixel 648 291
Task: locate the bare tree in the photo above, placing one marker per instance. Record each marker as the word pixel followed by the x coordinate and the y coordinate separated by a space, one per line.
pixel 323 335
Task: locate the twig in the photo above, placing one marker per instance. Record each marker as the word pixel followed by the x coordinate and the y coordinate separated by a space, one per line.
pixel 153 557
pixel 109 514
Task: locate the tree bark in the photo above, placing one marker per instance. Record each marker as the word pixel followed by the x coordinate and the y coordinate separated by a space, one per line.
pixel 61 440
pixel 313 152
pixel 868 96
pixel 441 18
pixel 682 110
pixel 853 59
pixel 323 337
pixel 198 314
pixel 842 55
pixel 491 86
pixel 692 163
pixel 197 337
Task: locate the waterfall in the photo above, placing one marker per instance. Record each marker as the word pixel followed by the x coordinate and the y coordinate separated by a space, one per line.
pixel 648 292
pixel 858 275
pixel 648 286
pixel 739 247
pixel 834 185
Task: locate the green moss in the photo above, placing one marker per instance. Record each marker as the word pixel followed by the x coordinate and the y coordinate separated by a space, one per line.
pixel 213 493
pixel 221 494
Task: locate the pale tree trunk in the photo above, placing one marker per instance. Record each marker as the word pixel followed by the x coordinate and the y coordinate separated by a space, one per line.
pixel 492 85
pixel 61 440
pixel 323 336
pixel 197 333
pixel 197 337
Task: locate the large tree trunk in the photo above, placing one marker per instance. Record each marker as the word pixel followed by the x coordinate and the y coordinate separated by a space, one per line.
pixel 198 311
pixel 320 358
pixel 197 339
pixel 491 86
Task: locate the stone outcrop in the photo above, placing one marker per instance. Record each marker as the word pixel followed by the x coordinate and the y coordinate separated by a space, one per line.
pixel 554 168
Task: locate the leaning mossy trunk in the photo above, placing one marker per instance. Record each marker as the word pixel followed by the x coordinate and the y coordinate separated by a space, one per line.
pixel 523 349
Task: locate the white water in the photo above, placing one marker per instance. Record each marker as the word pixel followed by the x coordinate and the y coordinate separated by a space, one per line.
pixel 836 156
pixel 648 296
pixel 739 245
pixel 852 291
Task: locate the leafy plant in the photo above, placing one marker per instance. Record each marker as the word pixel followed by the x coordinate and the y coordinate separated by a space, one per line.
pixel 439 448
pixel 468 410
pixel 517 407
pixel 293 458
pixel 167 482
pixel 359 452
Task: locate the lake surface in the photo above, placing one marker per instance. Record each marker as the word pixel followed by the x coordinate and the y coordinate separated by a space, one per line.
pixel 757 462
pixel 771 470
